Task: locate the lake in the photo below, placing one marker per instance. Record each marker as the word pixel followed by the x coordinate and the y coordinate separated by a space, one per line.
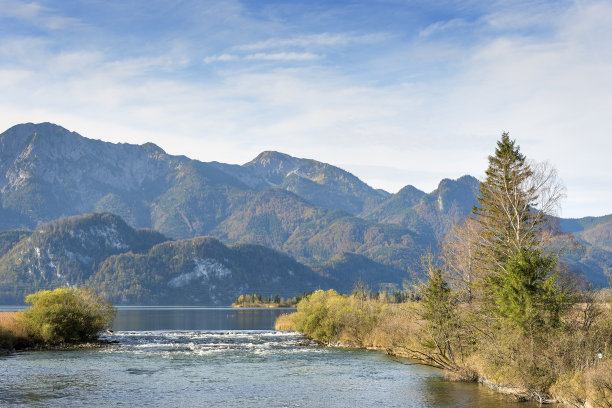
pixel 222 357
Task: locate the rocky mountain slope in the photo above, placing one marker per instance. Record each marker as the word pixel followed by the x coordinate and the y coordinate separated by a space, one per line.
pixel 319 183
pixel 50 173
pixel 67 252
pixel 314 235
pixel 47 172
pixel 430 215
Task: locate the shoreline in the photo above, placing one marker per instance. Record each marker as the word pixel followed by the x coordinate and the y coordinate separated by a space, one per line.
pixel 515 392
pixel 259 306
pixel 90 345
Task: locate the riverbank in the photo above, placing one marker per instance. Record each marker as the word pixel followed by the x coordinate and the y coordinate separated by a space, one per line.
pixel 14 338
pixel 560 366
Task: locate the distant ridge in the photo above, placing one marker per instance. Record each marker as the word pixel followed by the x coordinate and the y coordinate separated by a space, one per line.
pixel 131 266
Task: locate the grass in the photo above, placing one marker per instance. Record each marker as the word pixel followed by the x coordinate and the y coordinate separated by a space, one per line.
pixel 285 322
pixel 9 321
pixel 6 318
pixel 12 333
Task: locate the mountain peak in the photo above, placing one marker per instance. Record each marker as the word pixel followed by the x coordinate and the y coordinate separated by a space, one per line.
pixel 269 155
pixel 152 148
pixel 274 161
pixel 464 182
pixel 28 128
pixel 19 136
pixel 273 166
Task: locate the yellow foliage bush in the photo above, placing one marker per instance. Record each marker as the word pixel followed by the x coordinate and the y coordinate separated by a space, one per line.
pixel 66 315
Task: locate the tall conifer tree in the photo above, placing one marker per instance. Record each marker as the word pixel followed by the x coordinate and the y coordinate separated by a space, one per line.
pixel 509 252
pixel 506 213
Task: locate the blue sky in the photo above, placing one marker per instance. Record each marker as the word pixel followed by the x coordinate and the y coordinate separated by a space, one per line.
pixel 397 92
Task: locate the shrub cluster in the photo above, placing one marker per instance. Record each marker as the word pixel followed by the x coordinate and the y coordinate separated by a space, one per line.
pixel 356 320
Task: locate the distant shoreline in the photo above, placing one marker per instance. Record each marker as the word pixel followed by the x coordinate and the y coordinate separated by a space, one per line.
pixel 17 308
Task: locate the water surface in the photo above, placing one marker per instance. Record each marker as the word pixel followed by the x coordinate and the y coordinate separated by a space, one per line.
pixel 196 318
pixel 195 357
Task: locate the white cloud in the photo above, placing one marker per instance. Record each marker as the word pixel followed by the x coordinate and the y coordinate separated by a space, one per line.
pixel 318 40
pixel 442 26
pixel 36 14
pixel 20 10
pixel 9 77
pixel 221 58
pixel 262 56
pixel 283 56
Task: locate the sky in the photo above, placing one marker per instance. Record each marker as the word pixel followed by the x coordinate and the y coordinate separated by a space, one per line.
pixel 397 92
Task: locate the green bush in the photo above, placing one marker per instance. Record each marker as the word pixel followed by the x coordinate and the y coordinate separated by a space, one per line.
pixel 66 315
pixel 329 317
pixel 314 317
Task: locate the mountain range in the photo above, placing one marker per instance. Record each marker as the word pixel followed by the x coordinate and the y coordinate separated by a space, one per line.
pixel 326 219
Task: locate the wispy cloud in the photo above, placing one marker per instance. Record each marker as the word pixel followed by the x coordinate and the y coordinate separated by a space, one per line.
pixel 298 48
pixel 20 10
pixel 263 56
pixel 221 58
pixel 283 56
pixel 312 40
pixel 442 26
pixel 36 14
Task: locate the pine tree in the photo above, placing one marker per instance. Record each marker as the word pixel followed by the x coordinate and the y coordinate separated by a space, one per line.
pixel 506 213
pixel 438 311
pixel 513 215
pixel 526 294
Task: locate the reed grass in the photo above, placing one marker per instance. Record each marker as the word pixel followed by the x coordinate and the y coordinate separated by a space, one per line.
pixel 285 322
pixel 10 322
pixel 12 331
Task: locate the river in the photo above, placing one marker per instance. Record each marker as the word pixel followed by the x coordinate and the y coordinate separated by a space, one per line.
pixel 221 357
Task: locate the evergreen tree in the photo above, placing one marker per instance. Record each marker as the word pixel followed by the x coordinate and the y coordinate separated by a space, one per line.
pixel 437 299
pixel 506 200
pixel 438 311
pixel 514 201
pixel 526 295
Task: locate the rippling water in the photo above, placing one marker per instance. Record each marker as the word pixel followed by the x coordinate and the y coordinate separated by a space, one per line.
pixel 226 368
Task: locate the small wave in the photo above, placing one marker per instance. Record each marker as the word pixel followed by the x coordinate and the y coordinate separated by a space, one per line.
pixel 208 343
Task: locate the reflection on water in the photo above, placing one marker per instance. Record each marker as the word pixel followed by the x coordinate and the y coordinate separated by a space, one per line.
pixel 164 361
pixel 196 318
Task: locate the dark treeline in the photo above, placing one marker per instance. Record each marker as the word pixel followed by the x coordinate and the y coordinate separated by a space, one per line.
pixel 256 300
